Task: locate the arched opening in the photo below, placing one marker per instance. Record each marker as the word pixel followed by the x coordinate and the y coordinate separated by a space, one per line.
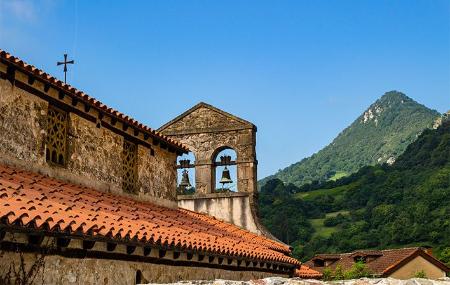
pixel 225 170
pixel 138 279
pixel 186 174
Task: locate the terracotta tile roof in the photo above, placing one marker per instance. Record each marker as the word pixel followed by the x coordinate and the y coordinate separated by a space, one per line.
pixel 36 201
pixel 80 95
pixel 379 262
pixel 305 272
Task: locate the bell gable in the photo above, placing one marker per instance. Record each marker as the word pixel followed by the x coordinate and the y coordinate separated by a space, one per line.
pixel 204 118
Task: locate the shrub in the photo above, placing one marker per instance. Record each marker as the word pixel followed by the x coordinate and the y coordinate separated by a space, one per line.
pixel 338 273
pixel 420 274
pixel 358 270
pixel 327 274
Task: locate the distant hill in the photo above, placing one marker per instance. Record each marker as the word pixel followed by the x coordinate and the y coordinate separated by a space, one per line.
pixel 403 204
pixel 379 135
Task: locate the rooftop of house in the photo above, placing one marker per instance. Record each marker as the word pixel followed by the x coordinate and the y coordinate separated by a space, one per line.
pixel 305 272
pixel 36 202
pixel 379 262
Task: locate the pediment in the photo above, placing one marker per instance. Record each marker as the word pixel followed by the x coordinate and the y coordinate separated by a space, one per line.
pixel 204 118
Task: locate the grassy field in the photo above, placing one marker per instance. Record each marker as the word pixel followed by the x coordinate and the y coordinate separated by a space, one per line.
pixel 319 192
pixel 338 175
pixel 320 229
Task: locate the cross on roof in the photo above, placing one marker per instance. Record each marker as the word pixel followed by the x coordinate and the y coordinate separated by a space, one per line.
pixel 65 62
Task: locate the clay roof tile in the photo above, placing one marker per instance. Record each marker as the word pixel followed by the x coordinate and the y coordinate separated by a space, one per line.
pixel 62 206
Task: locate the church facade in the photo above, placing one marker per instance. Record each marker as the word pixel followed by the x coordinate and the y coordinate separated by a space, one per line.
pixel 88 194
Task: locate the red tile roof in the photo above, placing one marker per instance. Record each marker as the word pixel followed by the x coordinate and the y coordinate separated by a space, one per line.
pixel 80 95
pixel 379 262
pixel 305 272
pixel 36 201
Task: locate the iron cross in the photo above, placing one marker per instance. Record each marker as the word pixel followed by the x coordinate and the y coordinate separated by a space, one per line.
pixel 65 62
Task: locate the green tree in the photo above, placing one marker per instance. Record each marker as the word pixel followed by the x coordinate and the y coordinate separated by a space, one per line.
pixel 444 256
pixel 358 270
pixel 327 274
pixel 338 273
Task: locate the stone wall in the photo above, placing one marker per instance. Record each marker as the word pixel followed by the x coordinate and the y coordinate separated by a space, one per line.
pixel 61 270
pixel 94 152
pixel 22 124
pixel 207 130
pixel 230 207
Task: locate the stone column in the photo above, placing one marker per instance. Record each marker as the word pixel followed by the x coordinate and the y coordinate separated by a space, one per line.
pixel 246 177
pixel 203 175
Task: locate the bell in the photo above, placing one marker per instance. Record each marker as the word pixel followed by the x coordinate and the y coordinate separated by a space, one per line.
pixel 225 177
pixel 185 180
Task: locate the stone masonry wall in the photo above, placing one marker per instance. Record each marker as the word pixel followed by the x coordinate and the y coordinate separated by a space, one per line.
pixel 60 270
pixel 207 131
pixel 94 153
pixel 234 208
pixel 22 124
pixel 157 173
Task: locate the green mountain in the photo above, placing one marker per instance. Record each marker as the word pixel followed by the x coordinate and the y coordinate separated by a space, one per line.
pixel 382 206
pixel 379 135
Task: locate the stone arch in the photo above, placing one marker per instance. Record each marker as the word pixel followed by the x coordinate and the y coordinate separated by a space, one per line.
pixel 186 162
pixel 206 129
pixel 217 169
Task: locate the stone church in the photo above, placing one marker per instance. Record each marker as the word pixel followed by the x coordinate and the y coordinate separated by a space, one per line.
pixel 89 195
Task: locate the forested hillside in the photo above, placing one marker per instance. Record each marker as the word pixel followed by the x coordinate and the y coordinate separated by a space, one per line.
pixel 379 135
pixel 382 206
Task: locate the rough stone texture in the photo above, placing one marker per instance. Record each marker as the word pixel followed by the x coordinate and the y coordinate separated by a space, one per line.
pixel 231 207
pixel 157 173
pixel 61 270
pixel 207 131
pixel 22 124
pixel 94 153
pixel 297 281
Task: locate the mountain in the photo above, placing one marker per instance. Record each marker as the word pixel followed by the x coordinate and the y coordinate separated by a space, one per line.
pixel 382 206
pixel 379 135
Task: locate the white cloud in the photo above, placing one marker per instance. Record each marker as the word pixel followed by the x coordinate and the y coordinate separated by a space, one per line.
pixel 23 10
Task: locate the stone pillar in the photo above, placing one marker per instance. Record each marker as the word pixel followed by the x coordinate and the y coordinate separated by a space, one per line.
pixel 246 178
pixel 204 171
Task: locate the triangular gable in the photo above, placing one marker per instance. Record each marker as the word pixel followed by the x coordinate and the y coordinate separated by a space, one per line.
pixel 419 252
pixel 204 118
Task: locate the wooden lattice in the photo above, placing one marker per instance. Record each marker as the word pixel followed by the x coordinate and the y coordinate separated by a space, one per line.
pixel 56 142
pixel 129 167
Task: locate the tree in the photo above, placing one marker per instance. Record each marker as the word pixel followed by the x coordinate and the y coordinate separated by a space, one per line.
pixel 338 273
pixel 358 270
pixel 444 256
pixel 327 274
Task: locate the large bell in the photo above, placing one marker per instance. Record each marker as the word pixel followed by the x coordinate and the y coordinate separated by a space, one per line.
pixel 185 183
pixel 225 177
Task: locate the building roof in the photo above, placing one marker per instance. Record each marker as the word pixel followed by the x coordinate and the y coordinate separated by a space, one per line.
pixel 305 272
pixel 31 70
pixel 379 262
pixel 244 123
pixel 40 203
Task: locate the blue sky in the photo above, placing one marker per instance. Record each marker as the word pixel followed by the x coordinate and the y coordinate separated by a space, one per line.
pixel 300 70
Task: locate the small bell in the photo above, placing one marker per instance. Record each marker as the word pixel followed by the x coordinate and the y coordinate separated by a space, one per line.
pixel 225 177
pixel 185 183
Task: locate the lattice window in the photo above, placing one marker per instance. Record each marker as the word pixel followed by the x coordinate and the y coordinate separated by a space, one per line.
pixel 129 167
pixel 56 142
